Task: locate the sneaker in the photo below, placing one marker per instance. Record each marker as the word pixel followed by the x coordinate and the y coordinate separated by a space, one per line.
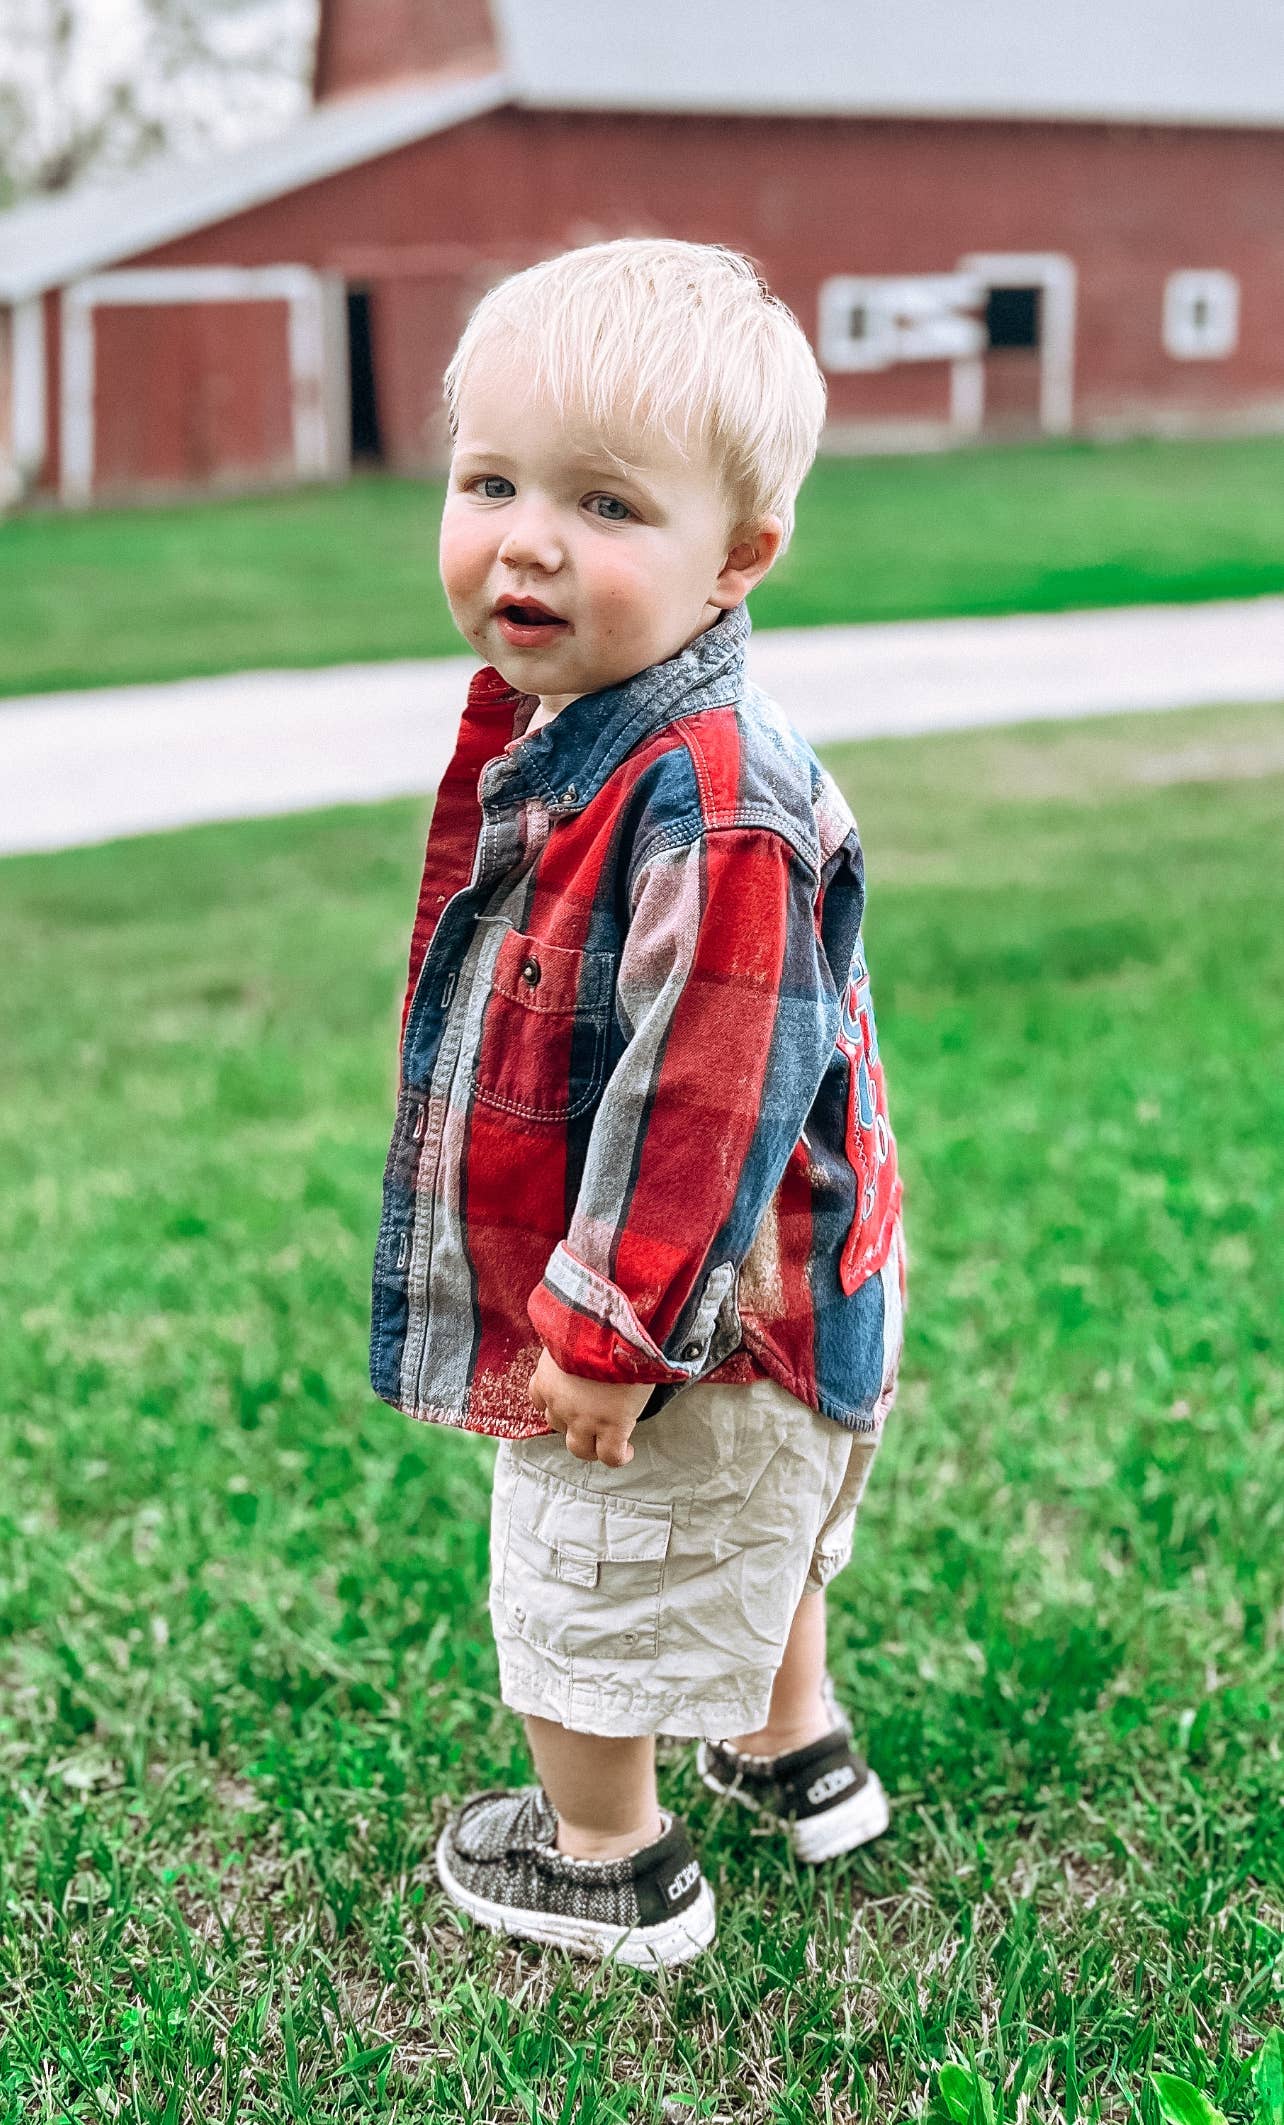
pixel 824 1793
pixel 497 1860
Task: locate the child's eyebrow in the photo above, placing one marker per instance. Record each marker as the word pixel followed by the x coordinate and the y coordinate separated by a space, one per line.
pixel 585 462
pixel 614 475
pixel 601 460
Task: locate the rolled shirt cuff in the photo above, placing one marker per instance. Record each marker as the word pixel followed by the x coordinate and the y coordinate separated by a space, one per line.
pixel 589 1327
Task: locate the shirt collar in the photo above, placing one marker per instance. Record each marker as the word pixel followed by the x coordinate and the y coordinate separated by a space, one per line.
pixel 567 762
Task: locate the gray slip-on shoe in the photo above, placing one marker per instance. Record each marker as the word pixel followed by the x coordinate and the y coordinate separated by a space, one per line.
pixel 497 1860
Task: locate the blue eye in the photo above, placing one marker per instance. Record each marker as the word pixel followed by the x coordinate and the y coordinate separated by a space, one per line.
pixel 491 479
pixel 616 503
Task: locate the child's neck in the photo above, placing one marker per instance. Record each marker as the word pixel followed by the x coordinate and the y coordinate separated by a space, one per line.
pixel 549 706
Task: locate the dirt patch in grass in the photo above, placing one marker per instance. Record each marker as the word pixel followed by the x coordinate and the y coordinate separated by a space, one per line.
pixel 1212 763
pixel 1090 762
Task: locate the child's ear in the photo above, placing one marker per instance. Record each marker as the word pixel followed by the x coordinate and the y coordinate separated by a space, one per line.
pixel 748 560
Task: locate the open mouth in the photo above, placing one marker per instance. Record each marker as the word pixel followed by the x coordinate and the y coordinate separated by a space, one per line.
pixel 526 625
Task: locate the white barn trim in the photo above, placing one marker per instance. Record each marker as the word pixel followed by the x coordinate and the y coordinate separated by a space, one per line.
pixel 1054 276
pixel 316 393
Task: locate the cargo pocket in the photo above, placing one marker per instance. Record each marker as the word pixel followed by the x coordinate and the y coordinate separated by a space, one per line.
pixel 541 1053
pixel 584 1568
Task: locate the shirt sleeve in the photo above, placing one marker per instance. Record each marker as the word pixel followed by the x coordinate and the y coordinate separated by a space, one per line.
pixel 731 1011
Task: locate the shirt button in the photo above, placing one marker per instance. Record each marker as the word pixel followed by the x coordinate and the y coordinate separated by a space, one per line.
pixel 630 1637
pixel 570 793
pixel 519 1613
pixel 690 1351
pixel 530 971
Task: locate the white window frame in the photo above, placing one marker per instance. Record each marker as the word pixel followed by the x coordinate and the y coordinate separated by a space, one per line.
pixel 1183 339
pixel 317 353
pixel 1054 275
pixel 914 317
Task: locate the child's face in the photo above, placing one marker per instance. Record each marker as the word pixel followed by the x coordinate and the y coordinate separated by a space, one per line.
pixel 634 566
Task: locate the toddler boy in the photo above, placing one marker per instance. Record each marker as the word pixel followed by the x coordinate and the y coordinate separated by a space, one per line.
pixel 641 1217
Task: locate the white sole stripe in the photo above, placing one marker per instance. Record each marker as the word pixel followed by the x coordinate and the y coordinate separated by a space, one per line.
pixel 840 1829
pixel 675 1940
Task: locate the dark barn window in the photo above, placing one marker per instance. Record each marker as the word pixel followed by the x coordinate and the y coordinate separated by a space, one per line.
pixel 1012 317
pixel 367 442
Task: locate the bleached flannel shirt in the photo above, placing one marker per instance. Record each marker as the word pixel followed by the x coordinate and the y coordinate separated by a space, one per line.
pixel 642 1117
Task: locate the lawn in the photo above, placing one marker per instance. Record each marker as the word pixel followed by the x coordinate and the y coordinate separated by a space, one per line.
pixel 325 576
pixel 244 1644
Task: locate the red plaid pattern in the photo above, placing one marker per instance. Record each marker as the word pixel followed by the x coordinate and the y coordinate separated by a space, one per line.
pixel 643 1117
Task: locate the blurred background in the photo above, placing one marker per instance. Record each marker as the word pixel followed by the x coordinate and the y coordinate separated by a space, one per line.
pixel 1021 223
pixel 1034 615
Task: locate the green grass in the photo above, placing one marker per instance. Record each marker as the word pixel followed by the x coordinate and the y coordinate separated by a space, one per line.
pixel 245 1661
pixel 324 576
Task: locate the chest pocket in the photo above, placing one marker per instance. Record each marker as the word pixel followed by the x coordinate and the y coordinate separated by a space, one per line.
pixel 542 1051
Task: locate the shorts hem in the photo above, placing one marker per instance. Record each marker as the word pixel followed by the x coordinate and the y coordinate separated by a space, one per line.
pixel 585 1706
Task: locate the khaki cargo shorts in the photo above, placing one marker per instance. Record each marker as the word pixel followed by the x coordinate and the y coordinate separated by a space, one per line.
pixel 657 1598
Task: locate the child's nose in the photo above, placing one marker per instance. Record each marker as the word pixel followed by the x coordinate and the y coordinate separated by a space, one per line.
pixel 531 536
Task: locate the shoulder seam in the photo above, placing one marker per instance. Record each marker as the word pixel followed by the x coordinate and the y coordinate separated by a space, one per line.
pixel 750 818
pixel 713 817
pixel 703 781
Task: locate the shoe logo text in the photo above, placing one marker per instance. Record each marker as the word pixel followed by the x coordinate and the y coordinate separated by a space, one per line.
pixel 682 1881
pixel 832 1782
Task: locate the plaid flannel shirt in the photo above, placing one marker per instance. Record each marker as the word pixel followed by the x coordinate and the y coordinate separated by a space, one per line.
pixel 642 1117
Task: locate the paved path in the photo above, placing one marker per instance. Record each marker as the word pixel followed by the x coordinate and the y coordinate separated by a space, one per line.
pixel 84 767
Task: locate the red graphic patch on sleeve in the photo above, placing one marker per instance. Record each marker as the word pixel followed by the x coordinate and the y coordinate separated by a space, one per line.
pixel 870 1145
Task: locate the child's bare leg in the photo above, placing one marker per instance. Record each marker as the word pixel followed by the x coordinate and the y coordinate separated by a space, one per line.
pixel 797 1713
pixel 603 1787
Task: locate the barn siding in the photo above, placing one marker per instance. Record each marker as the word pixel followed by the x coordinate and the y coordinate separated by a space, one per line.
pixel 426 228
pixel 209 394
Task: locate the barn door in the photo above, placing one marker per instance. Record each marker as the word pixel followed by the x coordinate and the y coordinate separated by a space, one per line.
pixel 1022 381
pixel 205 376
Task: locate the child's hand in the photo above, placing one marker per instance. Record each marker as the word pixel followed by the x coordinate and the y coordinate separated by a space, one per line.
pixel 596 1415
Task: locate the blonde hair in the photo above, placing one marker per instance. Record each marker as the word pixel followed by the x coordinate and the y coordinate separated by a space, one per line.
pixel 660 333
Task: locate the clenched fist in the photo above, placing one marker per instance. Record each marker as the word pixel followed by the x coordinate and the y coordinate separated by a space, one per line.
pixel 596 1415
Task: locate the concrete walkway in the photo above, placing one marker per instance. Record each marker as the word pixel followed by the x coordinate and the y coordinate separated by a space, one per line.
pixel 85 767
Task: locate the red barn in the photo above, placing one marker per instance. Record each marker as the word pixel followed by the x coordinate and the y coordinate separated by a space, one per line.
pixel 994 221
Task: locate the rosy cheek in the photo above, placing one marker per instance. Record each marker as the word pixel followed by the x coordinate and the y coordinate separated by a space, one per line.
pixel 464 554
pixel 618 582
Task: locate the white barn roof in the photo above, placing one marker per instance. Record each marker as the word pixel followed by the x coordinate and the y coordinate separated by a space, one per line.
pixel 47 242
pixel 1199 62
pixel 1169 62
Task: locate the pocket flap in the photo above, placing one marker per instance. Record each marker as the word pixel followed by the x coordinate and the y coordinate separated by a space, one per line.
pixel 577 1566
pixel 586 1525
pixel 544 977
